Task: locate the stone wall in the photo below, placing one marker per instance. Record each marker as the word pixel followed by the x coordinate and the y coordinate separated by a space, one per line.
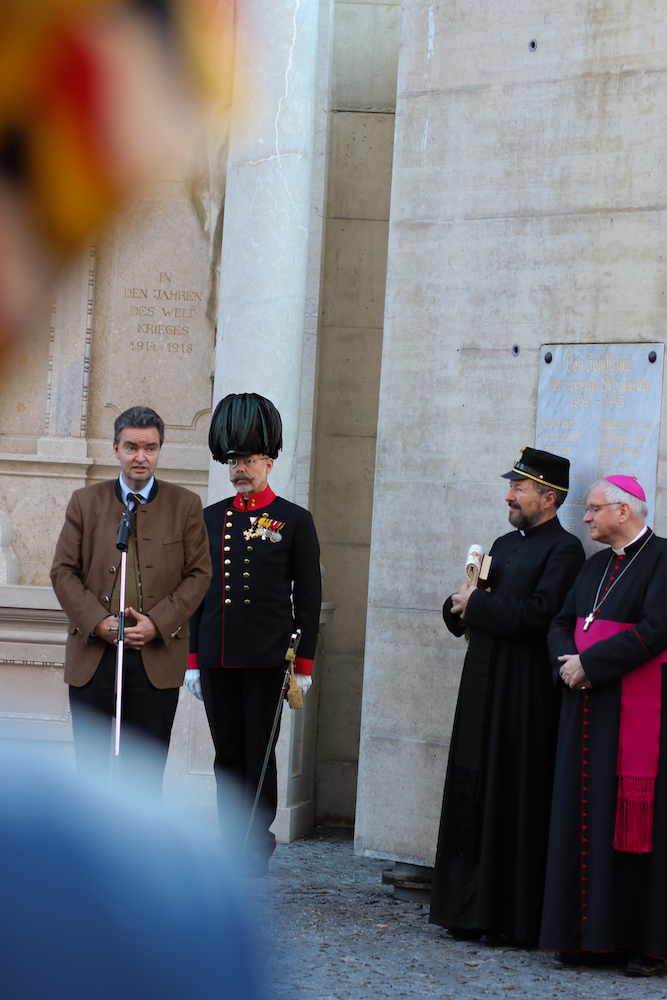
pixel 127 326
pixel 527 208
pixel 365 56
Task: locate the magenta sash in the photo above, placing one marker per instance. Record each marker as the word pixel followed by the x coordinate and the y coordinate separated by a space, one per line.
pixel 638 741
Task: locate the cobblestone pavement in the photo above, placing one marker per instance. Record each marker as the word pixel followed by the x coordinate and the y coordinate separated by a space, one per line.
pixel 343 936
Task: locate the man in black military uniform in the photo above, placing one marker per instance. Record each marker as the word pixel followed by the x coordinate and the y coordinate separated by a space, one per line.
pixel 266 583
pixel 491 858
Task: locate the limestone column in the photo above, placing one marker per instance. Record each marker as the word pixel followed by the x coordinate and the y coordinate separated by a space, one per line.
pixel 9 564
pixel 270 266
pixel 69 360
pixel 267 226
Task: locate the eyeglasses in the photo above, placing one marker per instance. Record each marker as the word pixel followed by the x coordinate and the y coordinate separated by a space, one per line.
pixel 593 508
pixel 247 463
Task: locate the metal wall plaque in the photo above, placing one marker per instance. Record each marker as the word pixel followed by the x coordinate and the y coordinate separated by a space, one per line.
pixel 599 406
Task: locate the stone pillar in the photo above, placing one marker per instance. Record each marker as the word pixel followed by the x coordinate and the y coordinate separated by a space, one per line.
pixel 266 235
pixel 270 276
pixel 9 564
pixel 69 360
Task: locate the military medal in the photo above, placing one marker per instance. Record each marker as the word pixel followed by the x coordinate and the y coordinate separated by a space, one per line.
pixel 264 527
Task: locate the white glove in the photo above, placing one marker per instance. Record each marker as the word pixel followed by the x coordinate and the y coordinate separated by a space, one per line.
pixel 303 682
pixel 193 683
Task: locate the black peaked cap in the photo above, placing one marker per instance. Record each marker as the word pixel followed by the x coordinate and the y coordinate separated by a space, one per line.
pixel 542 467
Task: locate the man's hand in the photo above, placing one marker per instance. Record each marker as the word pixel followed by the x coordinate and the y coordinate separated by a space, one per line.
pixel 460 600
pixel 573 673
pixel 138 635
pixel 107 629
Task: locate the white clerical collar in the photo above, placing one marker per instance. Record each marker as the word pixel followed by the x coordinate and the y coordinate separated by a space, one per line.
pixel 621 552
pixel 145 492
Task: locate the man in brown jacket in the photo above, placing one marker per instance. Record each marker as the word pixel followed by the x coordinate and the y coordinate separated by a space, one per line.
pixel 168 572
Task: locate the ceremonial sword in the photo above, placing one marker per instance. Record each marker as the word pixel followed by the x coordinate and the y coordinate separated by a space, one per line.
pixel 290 656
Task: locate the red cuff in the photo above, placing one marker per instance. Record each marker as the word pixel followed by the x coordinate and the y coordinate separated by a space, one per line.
pixel 302 666
pixel 193 662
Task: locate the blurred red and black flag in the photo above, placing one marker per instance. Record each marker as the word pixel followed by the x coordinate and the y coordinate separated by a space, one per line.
pixel 94 95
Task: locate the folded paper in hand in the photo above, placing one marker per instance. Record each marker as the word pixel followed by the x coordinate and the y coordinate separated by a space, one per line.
pixel 478 567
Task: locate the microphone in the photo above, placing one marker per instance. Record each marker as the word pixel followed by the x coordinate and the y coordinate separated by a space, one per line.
pixel 124 529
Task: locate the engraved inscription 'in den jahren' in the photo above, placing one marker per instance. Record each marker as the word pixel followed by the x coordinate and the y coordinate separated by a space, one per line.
pixel 157 314
pixel 159 318
pixel 599 406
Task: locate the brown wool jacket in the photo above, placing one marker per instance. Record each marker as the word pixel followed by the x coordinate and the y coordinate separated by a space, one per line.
pixel 175 569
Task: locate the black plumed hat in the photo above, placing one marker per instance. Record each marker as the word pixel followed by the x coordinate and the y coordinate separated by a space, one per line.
pixel 245 424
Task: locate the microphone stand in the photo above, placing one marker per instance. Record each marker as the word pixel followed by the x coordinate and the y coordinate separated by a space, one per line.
pixel 124 529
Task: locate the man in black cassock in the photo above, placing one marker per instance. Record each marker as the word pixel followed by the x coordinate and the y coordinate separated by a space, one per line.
pixel 606 885
pixel 489 870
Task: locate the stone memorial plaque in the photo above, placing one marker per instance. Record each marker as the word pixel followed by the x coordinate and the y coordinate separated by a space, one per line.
pixel 599 406
pixel 161 342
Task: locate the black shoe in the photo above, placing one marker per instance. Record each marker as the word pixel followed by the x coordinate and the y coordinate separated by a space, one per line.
pixel 572 957
pixel 643 965
pixel 586 957
pixel 498 939
pixel 464 933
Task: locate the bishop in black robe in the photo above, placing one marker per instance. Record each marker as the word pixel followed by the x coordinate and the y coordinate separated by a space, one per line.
pixel 599 898
pixel 491 856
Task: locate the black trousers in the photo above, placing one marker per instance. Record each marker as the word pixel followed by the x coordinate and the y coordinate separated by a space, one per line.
pixel 241 705
pixel 147 717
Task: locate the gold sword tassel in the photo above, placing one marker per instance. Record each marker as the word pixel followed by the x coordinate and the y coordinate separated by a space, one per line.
pixel 294 696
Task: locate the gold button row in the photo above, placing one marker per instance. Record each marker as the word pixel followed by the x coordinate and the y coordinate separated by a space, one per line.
pixel 228 562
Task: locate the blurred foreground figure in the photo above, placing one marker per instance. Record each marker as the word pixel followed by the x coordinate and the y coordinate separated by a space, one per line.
pixel 489 869
pixel 102 899
pixel 95 95
pixel 266 583
pixel 606 882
